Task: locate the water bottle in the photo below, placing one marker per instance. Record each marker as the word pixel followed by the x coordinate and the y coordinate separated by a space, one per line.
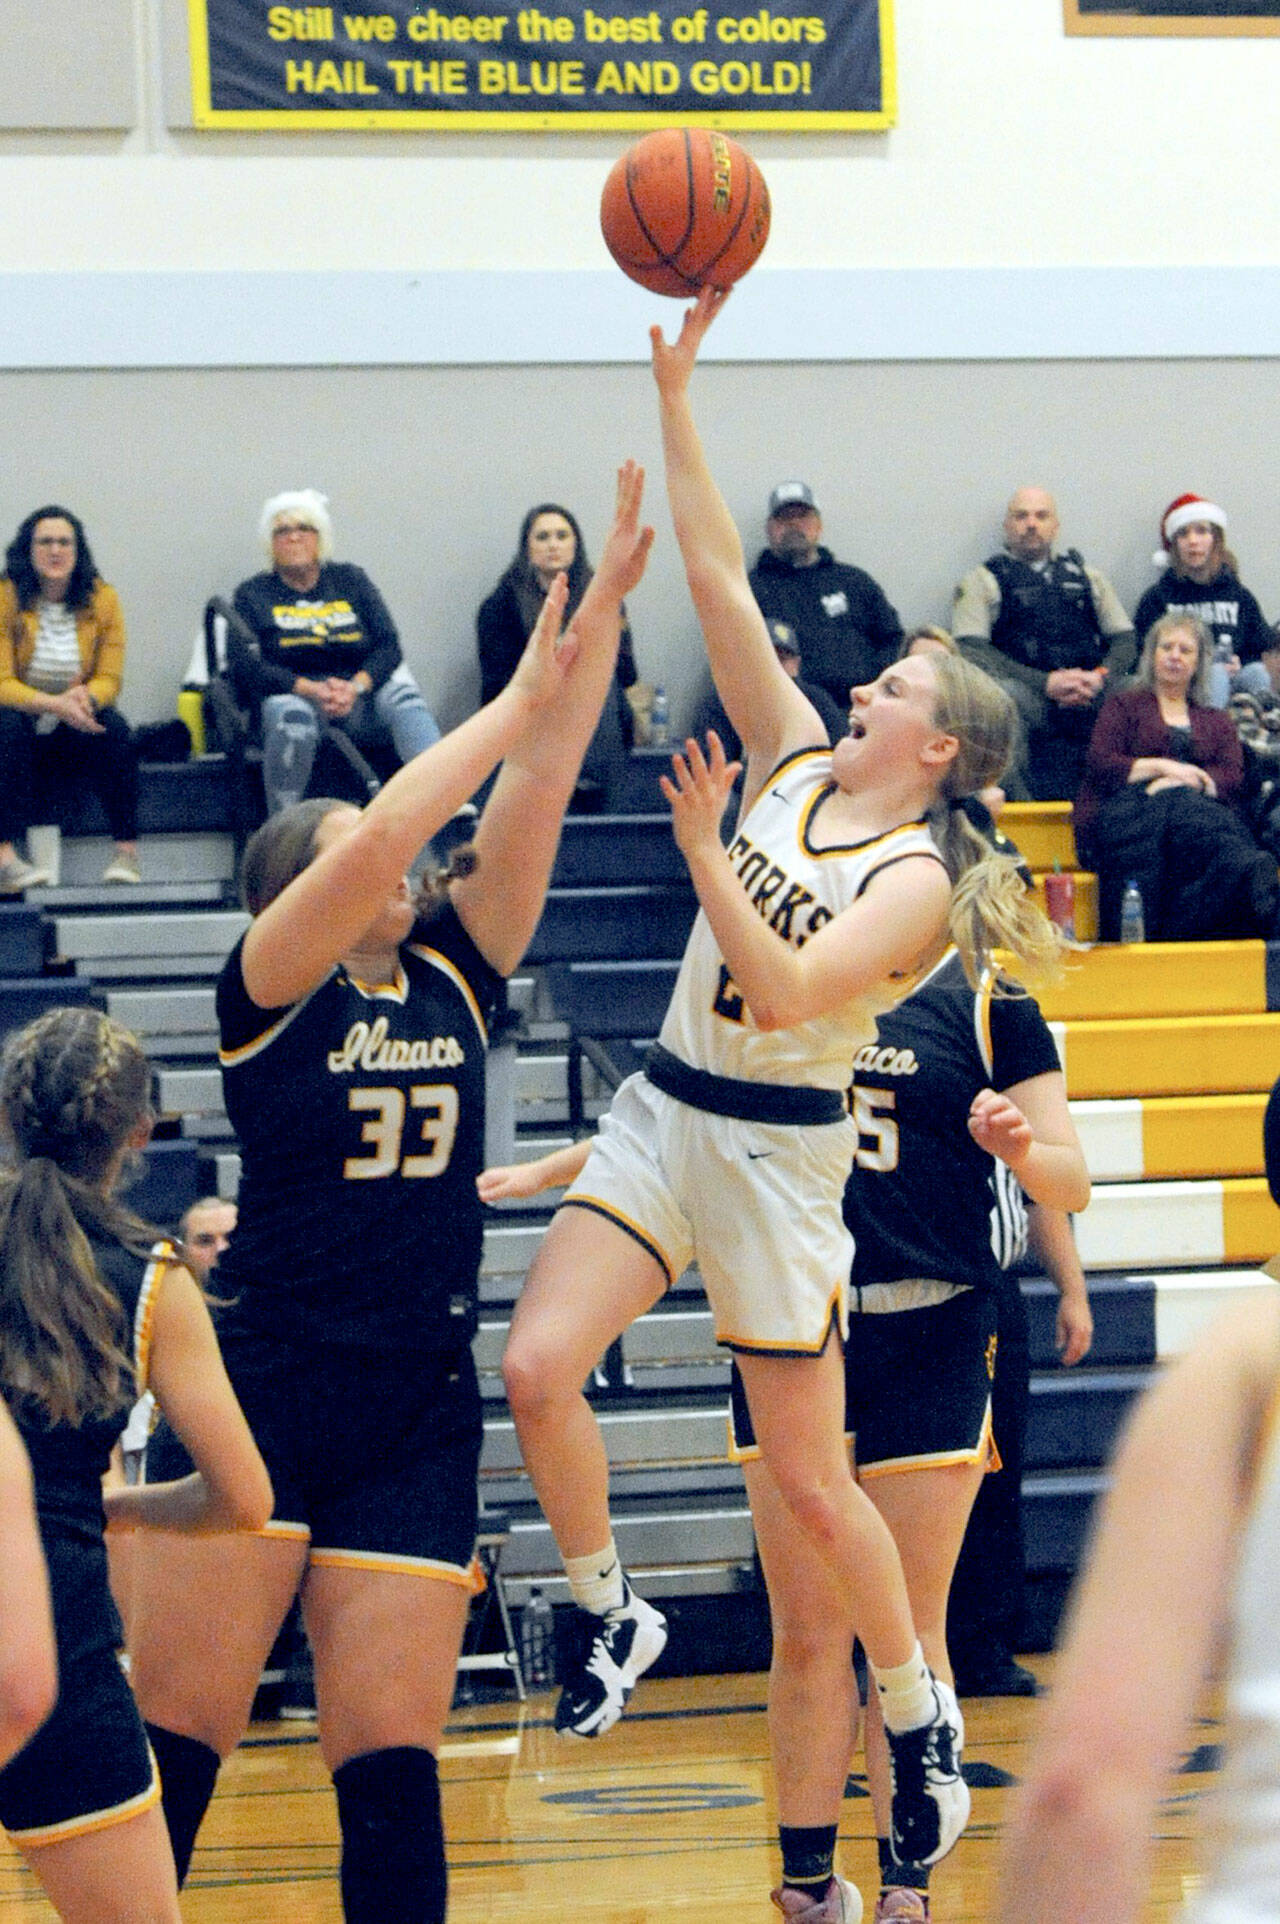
pixel 537 1642
pixel 1060 900
pixel 1133 927
pixel 659 719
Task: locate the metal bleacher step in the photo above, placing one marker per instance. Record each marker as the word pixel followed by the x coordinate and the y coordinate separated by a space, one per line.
pixel 1056 1509
pixel 1042 832
pixel 1167 979
pixel 602 850
pixel 634 1438
pixel 195 1088
pixel 163 1014
pixel 178 942
pixel 187 861
pixel 21 939
pixel 619 924
pixel 1163 1136
pixel 1178 1225
pixel 24 997
pixel 689 1533
pixel 149 896
pixel 1076 1417
pixel 1170 1055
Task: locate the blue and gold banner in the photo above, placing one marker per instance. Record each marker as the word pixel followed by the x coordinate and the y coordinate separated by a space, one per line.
pixel 554 65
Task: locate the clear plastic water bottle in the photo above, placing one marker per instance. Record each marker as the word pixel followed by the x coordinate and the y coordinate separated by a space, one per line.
pixel 537 1642
pixel 1133 922
pixel 659 719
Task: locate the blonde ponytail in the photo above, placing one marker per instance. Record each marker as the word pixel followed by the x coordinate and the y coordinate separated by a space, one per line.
pixel 992 909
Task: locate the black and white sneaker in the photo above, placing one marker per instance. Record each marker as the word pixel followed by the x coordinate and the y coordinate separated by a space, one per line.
pixel 616 1650
pixel 930 1798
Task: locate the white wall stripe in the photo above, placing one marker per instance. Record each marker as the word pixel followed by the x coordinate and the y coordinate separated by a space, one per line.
pixel 485 317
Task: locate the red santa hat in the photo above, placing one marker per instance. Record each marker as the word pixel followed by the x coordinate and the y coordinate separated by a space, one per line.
pixel 1179 515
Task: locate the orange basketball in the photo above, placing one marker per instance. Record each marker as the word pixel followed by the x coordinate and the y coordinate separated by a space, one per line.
pixel 683 209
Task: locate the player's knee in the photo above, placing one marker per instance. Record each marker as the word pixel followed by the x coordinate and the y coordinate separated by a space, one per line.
pixel 535 1377
pixel 813 1505
pixel 803 1644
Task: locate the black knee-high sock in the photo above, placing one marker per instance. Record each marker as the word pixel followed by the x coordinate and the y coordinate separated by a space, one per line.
pixel 188 1772
pixel 393 1869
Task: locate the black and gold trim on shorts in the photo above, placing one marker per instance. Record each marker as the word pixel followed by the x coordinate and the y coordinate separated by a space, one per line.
pixel 612 1214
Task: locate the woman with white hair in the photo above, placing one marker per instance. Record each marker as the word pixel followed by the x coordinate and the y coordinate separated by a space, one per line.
pixel 327 653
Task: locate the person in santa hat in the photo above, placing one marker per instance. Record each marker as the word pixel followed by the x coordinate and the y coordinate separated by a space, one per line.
pixel 1201 578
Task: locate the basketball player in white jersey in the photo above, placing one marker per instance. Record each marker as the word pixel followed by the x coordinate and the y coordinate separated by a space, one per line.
pixel 733 1146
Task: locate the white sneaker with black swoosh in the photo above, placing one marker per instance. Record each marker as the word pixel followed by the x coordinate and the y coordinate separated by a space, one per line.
pixel 617 1649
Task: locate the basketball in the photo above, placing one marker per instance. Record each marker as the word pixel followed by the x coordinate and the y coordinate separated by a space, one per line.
pixel 683 209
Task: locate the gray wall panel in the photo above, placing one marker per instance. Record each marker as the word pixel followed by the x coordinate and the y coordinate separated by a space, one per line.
pixel 430 470
pixel 67 64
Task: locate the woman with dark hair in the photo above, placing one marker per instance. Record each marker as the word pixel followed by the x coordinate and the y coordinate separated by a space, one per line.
pixel 550 542
pixel 61 666
pixel 354 1021
pixel 1156 804
pixel 93 1309
pixel 1202 578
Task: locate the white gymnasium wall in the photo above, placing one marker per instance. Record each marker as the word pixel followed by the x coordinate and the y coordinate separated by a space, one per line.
pixel 1060 266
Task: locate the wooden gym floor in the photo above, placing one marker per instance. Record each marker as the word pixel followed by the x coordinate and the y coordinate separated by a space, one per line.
pixel 668 1817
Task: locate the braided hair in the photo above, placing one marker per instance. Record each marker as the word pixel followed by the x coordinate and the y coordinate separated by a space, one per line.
pixel 73 1087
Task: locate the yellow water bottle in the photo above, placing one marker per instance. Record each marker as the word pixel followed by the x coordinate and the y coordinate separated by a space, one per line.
pixel 191 711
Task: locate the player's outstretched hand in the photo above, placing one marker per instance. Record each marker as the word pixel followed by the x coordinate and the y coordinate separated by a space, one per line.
pixel 627 545
pixel 509 1182
pixel 673 362
pixel 699 793
pixel 999 1126
pixel 548 655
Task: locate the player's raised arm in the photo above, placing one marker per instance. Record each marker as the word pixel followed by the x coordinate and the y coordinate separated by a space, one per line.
pixel 519 831
pixel 760 699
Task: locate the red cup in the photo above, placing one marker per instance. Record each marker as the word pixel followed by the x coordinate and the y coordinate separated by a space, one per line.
pixel 1060 900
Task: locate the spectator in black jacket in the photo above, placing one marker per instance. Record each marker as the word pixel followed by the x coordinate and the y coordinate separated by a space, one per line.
pixel 1052 632
pixel 845 625
pixel 1202 578
pixel 549 542
pixel 327 654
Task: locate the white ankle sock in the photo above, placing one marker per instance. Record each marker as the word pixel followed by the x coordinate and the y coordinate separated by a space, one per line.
pixel 906 1692
pixel 597 1581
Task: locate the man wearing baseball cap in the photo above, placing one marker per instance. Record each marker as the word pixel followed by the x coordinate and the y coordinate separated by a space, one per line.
pixel 846 628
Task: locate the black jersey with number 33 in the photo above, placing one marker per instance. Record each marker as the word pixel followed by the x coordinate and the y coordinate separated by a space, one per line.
pixel 920 1197
pixel 360 1113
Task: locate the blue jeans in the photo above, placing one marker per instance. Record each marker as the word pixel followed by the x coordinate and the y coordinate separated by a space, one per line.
pixel 291 729
pixel 1253 679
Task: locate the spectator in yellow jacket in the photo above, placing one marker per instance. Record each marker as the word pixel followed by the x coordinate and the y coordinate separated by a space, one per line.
pixel 61 664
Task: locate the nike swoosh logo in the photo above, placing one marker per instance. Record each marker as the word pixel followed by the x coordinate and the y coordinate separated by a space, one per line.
pixel 758 1155
pixel 778 792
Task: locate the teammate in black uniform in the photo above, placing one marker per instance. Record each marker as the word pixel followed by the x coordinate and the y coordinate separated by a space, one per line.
pixel 93 1311
pixel 956 1079
pixel 353 1040
pixel 28 1664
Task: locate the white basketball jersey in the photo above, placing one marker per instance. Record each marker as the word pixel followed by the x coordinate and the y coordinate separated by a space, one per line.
pixel 797 888
pixel 1242 1839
